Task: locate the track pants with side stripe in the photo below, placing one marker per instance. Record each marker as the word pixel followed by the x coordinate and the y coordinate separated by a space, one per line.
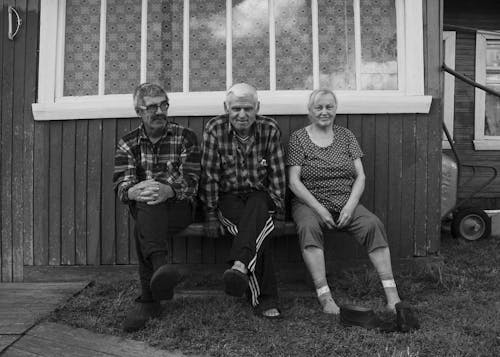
pixel 246 217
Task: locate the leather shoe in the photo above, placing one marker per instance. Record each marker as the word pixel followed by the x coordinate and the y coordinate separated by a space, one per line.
pixel 163 281
pixel 141 312
pixel 235 282
pixel 354 315
pixel 406 318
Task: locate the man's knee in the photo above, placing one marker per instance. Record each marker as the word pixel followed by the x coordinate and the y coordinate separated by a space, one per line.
pixel 260 199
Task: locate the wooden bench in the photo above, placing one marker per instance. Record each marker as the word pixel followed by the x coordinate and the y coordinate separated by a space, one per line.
pixel 196 229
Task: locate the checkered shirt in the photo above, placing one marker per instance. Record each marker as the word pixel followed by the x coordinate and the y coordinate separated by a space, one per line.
pixel 173 160
pixel 228 167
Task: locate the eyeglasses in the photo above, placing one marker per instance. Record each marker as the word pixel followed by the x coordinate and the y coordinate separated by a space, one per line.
pixel 153 108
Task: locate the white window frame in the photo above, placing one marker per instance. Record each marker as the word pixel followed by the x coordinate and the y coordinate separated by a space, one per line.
pixel 449 39
pixel 51 105
pixel 481 141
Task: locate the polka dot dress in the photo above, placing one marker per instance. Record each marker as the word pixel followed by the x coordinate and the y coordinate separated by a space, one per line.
pixel 327 172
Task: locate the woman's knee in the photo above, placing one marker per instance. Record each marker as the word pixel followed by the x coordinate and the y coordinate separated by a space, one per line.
pixel 370 222
pixel 310 234
pixel 375 223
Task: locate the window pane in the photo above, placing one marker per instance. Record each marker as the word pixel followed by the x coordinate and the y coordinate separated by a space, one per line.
pixel 492 110
pixel 251 42
pixel 293 44
pixel 123 46
pixel 81 57
pixel 379 68
pixel 164 59
pixel 207 45
pixel 492 119
pixel 336 44
pixel 493 55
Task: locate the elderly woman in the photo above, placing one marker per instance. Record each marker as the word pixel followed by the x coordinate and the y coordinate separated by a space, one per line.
pixel 327 178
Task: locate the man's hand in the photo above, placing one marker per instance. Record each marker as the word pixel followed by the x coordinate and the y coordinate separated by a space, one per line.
pixel 164 193
pixel 151 192
pixel 345 215
pixel 213 228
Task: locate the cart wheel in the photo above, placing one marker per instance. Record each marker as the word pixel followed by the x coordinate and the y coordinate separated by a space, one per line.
pixel 471 224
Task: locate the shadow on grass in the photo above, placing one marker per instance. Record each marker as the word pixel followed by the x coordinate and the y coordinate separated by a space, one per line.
pixel 458 306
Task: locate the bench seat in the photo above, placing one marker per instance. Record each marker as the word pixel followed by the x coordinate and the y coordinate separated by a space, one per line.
pixel 196 229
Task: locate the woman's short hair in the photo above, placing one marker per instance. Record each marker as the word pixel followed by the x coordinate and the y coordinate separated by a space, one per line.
pixel 147 90
pixel 321 91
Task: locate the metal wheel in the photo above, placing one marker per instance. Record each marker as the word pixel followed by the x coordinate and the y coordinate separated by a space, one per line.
pixel 471 224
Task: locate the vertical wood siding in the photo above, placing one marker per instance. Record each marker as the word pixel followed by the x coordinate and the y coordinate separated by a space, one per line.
pixel 94 228
pixel 482 15
pixel 18 80
pixel 58 206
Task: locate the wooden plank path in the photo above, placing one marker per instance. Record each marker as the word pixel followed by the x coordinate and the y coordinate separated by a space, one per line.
pixel 24 305
pixel 53 340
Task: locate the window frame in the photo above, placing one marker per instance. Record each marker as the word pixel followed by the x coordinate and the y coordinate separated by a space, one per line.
pixel 51 105
pixel 449 41
pixel 481 141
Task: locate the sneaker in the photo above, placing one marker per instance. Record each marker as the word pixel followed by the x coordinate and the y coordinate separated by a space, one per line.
pixel 141 312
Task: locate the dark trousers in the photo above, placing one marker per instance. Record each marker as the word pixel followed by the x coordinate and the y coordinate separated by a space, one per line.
pixel 246 217
pixel 154 226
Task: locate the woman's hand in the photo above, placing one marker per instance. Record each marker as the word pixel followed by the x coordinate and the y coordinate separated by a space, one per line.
pixel 326 217
pixel 345 215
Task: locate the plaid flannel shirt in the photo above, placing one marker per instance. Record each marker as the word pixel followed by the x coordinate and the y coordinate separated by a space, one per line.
pixel 173 160
pixel 226 167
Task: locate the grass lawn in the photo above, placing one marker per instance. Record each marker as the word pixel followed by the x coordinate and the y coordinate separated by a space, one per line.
pixel 458 308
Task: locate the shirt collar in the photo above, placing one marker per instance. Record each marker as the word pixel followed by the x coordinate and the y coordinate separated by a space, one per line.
pixel 144 136
pixel 253 128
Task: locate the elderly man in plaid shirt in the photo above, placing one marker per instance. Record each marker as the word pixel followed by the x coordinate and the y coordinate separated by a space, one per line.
pixel 243 188
pixel 157 169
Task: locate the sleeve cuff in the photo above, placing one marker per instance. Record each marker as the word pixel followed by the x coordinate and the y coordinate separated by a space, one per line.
pixel 123 192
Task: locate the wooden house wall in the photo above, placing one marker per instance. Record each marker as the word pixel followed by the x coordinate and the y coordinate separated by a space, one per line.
pixel 59 208
pixel 482 15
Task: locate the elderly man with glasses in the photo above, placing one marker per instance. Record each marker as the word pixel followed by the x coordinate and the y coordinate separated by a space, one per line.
pixel 157 168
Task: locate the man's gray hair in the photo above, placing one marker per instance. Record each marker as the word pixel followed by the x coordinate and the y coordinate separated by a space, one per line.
pixel 240 89
pixel 147 90
pixel 320 91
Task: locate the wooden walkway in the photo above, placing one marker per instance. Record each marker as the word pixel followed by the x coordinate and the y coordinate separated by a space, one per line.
pixel 24 305
pixel 55 340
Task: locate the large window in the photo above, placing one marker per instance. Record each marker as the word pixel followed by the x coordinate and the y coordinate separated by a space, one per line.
pixel 487 112
pixel 94 52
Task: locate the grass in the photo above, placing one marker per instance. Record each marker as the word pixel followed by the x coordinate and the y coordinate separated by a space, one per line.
pixel 458 306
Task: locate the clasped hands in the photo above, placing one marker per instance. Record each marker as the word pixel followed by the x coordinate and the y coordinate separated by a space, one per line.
pixel 345 217
pixel 151 192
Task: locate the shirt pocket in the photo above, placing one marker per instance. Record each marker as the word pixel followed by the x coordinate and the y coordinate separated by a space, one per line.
pixel 262 169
